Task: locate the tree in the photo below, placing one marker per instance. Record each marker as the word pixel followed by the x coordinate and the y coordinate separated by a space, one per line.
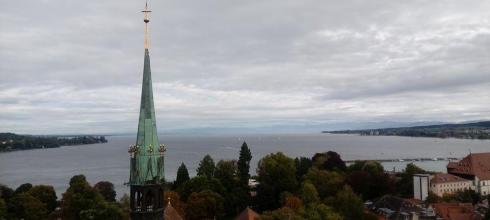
pixel 236 196
pixel 303 164
pixel 293 203
pixel 226 173
pixel 204 205
pixel 124 203
pixel 329 161
pixel 244 165
pixel 81 201
pixel 466 196
pixel 198 184
pixel 368 179
pixel 309 195
pixel 206 167
pixel 3 209
pixel 321 212
pixel 276 174
pixel 106 189
pixel 405 184
pixel 23 188
pixel 78 198
pixel 45 194
pixel 327 183
pixel 182 176
pixel 281 214
pixel 348 204
pixel 26 206
pixel 367 166
pixel 432 198
pixel 6 192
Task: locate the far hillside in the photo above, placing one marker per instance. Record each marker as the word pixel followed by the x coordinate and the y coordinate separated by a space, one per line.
pixel 12 142
pixel 474 130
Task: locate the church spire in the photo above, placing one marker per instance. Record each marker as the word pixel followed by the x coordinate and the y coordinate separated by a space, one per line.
pixel 146 176
pixel 147 153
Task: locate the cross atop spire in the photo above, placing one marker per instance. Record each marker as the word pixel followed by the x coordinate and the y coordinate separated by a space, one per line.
pixel 146 19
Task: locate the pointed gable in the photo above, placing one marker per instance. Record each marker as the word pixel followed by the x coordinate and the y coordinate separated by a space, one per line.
pixel 171 214
pixel 248 214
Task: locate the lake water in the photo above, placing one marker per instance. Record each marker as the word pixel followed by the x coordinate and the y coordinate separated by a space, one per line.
pixel 111 161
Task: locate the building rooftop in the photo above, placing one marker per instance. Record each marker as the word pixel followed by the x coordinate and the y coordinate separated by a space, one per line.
pixel 456 211
pixel 394 207
pixel 171 214
pixel 248 214
pixel 446 178
pixel 475 164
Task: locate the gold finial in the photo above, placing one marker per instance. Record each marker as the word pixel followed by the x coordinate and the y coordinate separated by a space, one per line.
pixel 146 20
pixel 150 149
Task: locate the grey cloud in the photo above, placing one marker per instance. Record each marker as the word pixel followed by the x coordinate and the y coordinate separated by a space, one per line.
pixel 75 66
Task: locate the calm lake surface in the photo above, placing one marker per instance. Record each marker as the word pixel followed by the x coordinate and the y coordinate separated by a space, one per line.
pixel 110 161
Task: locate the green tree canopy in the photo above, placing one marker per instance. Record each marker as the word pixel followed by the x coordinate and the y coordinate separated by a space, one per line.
pixel 329 161
pixel 206 167
pixel 348 204
pixel 226 173
pixel 106 189
pixel 321 212
pixel 26 206
pixel 182 176
pixel 198 184
pixel 6 192
pixel 281 214
pixel 3 209
pixel 370 181
pixel 81 201
pixel 23 188
pixel 327 183
pixel 235 195
pixel 244 164
pixel 303 164
pixel 405 183
pixel 309 195
pixel 367 166
pixel 204 205
pixel 276 174
pixel 45 194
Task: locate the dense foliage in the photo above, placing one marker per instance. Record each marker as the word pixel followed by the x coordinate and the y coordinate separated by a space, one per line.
pixel 322 187
pixel 79 202
pixel 12 142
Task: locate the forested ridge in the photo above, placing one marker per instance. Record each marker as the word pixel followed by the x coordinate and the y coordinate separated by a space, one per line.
pixel 12 142
pixel 476 130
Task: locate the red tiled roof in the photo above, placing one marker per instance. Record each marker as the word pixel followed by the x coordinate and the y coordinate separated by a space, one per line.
pixel 171 214
pixel 456 211
pixel 248 214
pixel 446 178
pixel 474 164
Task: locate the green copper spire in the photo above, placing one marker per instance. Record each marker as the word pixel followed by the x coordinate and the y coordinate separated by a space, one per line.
pixel 147 155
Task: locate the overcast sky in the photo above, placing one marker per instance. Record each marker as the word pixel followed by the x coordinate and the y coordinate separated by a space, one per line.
pixel 71 66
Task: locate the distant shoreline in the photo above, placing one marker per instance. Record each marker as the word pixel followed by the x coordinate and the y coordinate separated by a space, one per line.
pixel 10 142
pixel 477 131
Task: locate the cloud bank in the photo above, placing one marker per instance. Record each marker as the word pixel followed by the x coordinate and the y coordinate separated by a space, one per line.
pixel 76 66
